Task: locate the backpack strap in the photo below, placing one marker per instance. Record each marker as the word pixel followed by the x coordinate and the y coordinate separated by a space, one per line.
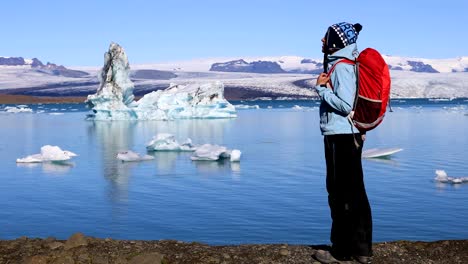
pixel 343 60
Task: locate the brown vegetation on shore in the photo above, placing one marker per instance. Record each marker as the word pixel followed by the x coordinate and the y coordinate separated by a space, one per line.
pixel 27 99
pixel 81 249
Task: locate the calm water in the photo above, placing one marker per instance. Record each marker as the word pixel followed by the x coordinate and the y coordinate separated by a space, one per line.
pixel 276 194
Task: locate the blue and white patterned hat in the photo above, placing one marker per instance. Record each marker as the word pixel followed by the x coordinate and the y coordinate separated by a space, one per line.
pixel 341 35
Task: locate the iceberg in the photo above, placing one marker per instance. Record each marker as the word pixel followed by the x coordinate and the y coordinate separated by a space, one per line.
pixel 48 153
pixel 132 156
pixel 167 142
pixel 215 152
pixel 441 176
pixel 114 99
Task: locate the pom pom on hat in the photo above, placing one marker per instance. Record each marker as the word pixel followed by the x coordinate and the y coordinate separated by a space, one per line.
pixel 357 27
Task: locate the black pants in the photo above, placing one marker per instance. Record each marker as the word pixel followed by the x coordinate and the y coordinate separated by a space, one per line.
pixel 351 231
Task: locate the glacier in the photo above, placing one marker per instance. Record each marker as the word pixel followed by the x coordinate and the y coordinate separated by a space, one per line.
pixel 114 99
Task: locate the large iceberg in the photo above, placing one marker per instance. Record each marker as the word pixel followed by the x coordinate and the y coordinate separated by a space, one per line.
pixel 114 99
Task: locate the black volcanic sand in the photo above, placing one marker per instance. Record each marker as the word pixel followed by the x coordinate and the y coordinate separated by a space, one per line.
pixel 81 249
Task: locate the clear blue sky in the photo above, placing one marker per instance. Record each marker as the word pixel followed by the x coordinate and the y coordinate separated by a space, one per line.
pixel 78 32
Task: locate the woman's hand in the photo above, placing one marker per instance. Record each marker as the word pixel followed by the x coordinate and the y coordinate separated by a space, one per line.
pixel 323 78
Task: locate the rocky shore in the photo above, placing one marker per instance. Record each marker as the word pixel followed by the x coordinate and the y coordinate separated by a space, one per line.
pixel 83 249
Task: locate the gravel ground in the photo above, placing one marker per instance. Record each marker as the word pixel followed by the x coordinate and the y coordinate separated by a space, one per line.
pixel 82 249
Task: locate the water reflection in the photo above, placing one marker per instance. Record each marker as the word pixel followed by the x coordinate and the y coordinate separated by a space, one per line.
pixel 204 166
pixel 50 167
pixel 116 136
pixel 166 160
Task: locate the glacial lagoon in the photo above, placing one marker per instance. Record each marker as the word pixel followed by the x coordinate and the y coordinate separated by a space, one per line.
pixel 275 194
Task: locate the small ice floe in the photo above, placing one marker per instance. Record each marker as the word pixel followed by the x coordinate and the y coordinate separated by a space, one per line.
pixel 167 142
pixel 132 156
pixel 455 109
pixel 379 153
pixel 242 106
pixel 18 109
pixel 441 176
pixel 48 153
pixel 215 152
pixel 297 107
pixel 55 113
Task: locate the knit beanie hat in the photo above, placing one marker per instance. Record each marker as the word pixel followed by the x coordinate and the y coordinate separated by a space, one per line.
pixel 341 35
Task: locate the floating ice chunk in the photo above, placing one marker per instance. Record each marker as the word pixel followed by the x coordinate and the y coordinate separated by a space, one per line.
pixel 48 153
pixel 242 106
pixel 379 153
pixel 235 155
pixel 132 156
pixel 167 142
pixel 215 152
pixel 209 152
pixel 441 176
pixel 18 109
pixel 114 98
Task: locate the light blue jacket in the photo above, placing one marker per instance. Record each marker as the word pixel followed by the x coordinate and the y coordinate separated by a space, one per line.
pixel 337 103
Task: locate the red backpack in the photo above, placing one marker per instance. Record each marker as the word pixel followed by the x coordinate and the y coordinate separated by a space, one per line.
pixel 373 89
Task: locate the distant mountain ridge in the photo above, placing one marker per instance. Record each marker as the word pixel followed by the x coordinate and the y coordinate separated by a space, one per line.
pixel 243 66
pixel 292 64
pixel 49 68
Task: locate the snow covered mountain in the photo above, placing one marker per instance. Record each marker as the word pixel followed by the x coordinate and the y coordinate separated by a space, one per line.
pixel 282 76
pixel 37 65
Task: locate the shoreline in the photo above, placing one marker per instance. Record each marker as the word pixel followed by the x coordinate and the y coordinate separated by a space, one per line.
pixel 79 248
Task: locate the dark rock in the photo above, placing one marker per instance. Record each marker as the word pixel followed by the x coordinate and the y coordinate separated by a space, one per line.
pixel 418 66
pixel 12 61
pixel 308 61
pixel 36 63
pixel 395 68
